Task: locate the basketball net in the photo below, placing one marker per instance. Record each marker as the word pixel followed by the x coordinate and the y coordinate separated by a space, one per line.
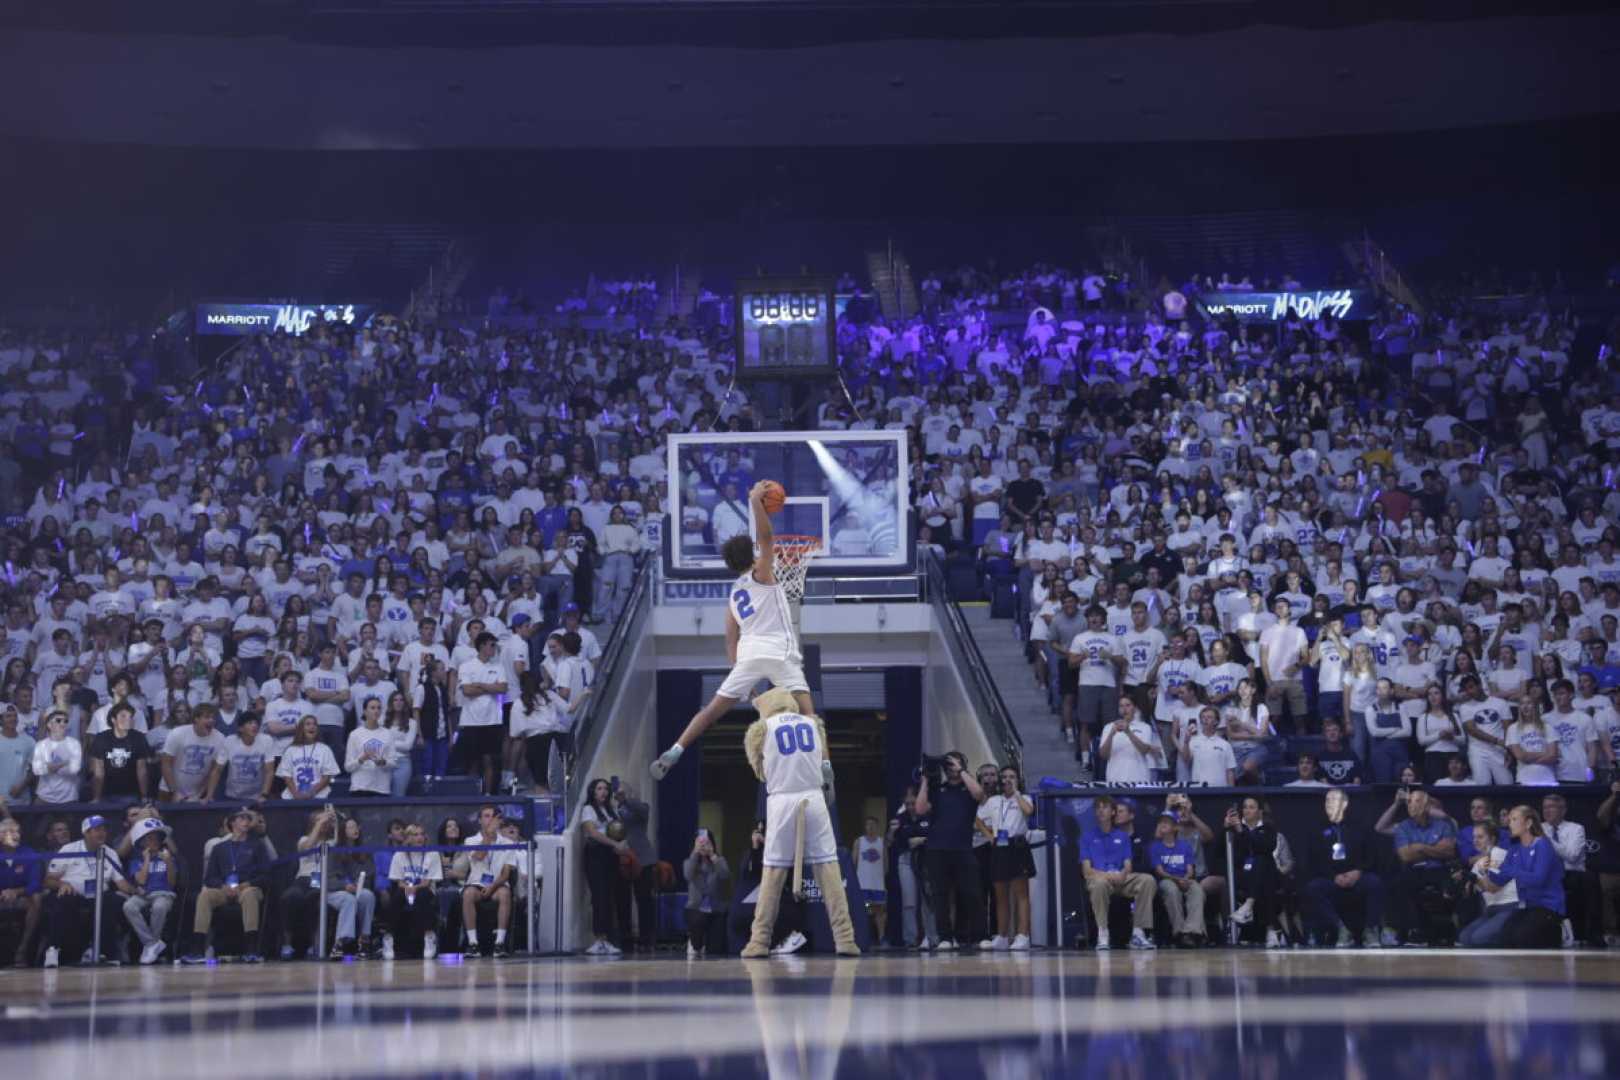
pixel 791 557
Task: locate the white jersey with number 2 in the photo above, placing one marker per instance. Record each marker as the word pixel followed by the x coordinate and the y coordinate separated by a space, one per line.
pixel 763 619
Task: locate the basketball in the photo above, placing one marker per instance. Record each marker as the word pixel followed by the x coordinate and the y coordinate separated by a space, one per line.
pixel 775 497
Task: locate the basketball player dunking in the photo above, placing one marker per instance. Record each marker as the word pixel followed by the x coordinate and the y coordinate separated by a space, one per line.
pixel 761 639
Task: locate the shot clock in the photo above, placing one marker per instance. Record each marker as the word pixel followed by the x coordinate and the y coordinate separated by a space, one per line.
pixel 785 327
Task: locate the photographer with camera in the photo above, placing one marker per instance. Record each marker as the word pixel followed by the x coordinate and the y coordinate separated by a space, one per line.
pixel 949 797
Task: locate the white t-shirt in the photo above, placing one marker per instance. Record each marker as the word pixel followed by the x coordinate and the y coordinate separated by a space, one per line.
pixel 193 758
pixel 416 867
pixel 484 710
pixel 244 766
pixel 1097 648
pixel 487 864
pixel 1573 732
pixel 336 681
pixel 1534 741
pixel 1141 649
pixel 62 785
pixel 1284 645
pixel 1212 759
pixel 1490 716
pixel 370 775
pixel 303 766
pixel 1126 764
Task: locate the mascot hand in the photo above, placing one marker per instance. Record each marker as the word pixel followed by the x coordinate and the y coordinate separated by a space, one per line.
pixel 666 761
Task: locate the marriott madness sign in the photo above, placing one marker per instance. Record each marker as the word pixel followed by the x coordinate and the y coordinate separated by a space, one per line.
pixel 296 319
pixel 1277 306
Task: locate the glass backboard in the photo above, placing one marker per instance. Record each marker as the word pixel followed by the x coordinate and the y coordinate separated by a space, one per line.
pixel 846 488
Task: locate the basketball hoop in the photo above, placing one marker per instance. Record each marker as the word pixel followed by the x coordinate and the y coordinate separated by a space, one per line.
pixel 792 555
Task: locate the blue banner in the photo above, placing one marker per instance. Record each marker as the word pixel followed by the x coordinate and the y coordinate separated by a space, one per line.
pixel 1276 306
pixel 242 320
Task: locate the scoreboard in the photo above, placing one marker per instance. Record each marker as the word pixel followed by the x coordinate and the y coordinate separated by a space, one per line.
pixel 786 327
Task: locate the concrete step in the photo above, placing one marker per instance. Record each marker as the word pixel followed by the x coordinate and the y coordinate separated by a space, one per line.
pixel 1046 753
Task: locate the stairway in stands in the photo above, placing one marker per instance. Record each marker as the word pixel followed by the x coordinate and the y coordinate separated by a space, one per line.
pixel 1045 752
pixel 894 285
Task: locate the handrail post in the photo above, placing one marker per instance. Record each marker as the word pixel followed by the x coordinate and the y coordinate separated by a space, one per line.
pixel 320 942
pixel 1231 892
pixel 101 881
pixel 533 920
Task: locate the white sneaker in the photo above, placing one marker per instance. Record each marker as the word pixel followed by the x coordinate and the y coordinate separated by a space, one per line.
pixel 947 945
pixel 430 945
pixel 1102 941
pixel 691 951
pixel 999 943
pixel 1068 736
pixel 1140 940
pixel 791 944
pixel 388 947
pixel 149 953
pixel 1370 939
pixel 1274 940
pixel 87 958
pixel 1020 943
pixel 926 945
pixel 1244 915
pixel 1568 935
pixel 1347 940
pixel 987 944
pixel 53 956
pixel 610 949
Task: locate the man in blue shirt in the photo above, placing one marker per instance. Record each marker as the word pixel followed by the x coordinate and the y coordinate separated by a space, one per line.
pixel 236 873
pixel 1105 862
pixel 1174 865
pixel 20 876
pixel 1426 845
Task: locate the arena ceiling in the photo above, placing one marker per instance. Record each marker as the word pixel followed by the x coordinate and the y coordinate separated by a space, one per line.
pixel 68 77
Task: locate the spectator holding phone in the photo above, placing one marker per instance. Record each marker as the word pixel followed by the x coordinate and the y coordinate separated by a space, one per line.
pixel 706 871
pixel 1254 855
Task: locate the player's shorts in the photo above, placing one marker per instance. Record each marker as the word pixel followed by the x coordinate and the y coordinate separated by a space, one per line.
pixel 784 673
pixel 781 829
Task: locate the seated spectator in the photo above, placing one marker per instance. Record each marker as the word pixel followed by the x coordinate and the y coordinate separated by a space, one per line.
pixel 1258 876
pixel 1536 871
pixel 1175 866
pixel 705 871
pixel 235 873
pixel 414 908
pixel 1422 897
pixel 351 891
pixel 155 877
pixel 1306 774
pixel 1335 762
pixel 70 888
pixel 1105 863
pixel 299 900
pixel 1456 773
pixel 20 885
pixel 456 867
pixel 491 877
pixel 1487 852
pixel 1608 834
pixel 1344 898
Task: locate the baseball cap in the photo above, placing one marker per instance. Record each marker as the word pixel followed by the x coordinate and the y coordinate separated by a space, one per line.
pixel 94 821
pixel 570 608
pixel 1413 639
pixel 520 620
pixel 146 827
pixel 242 811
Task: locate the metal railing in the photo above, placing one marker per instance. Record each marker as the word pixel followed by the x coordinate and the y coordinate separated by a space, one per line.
pixel 610 675
pixel 981 684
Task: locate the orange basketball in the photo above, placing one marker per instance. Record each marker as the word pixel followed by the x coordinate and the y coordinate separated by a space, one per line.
pixel 775 497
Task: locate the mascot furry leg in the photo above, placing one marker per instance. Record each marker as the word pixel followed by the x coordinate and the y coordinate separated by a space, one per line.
pixel 774 878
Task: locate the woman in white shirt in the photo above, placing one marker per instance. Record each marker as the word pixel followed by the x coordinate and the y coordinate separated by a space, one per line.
pixel 1533 747
pixel 308 765
pixel 537 721
pixel 369 759
pixel 1438 733
pixel 618 545
pixel 1248 726
pixel 413 910
pixel 1360 691
pixel 400 721
pixel 1506 679
pixel 252 632
pixel 1004 819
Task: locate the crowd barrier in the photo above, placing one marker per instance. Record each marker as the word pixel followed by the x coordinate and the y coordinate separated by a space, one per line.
pixel 1066 814
pixel 191 825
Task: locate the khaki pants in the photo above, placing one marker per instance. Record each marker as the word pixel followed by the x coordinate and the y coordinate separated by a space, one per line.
pixel 250 896
pixel 1139 887
pixel 1186 908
